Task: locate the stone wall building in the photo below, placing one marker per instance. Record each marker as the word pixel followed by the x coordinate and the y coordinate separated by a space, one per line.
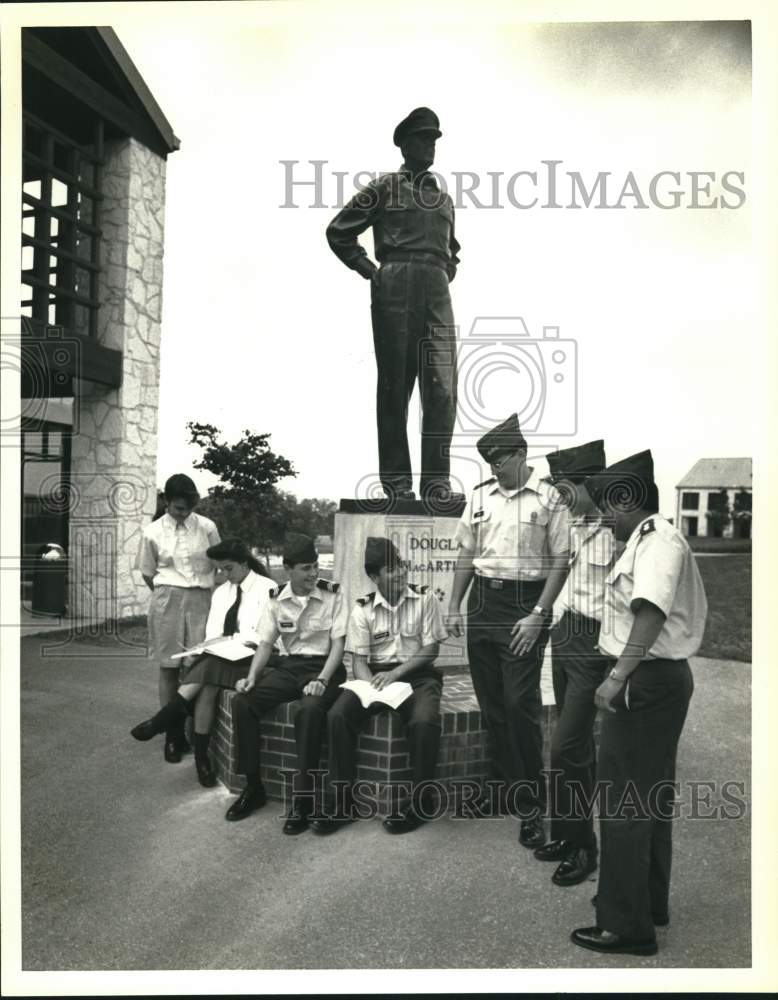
pixel 714 499
pixel 95 147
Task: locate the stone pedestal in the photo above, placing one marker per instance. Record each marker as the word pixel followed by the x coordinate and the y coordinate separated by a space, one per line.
pixel 424 540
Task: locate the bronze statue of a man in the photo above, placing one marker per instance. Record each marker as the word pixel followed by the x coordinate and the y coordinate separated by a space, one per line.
pixel 413 323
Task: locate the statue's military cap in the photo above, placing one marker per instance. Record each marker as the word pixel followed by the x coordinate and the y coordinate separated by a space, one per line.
pixel 505 437
pixel 299 549
pixel 419 120
pixel 577 464
pixel 623 486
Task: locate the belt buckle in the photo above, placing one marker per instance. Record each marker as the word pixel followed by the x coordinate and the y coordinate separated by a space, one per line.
pixel 495 584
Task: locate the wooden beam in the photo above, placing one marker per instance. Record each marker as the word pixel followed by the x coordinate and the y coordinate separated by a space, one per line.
pixel 43 58
pixel 67 356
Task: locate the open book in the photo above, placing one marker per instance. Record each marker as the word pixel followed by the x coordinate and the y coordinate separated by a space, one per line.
pixel 228 648
pixel 393 694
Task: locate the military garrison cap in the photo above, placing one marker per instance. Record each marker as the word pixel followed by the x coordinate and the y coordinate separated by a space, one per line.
pixel 380 552
pixel 625 485
pixel 299 549
pixel 577 464
pixel 419 120
pixel 505 437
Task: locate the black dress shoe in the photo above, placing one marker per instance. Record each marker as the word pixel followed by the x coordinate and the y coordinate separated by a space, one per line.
pixel 531 833
pixel 205 773
pixel 576 867
pixel 596 939
pixel 554 850
pixel 250 798
pixel 172 753
pixel 144 731
pixel 658 920
pixel 405 823
pixel 296 820
pixel 327 825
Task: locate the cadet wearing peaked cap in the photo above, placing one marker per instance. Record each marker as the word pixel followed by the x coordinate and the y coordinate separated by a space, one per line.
pixel 310 617
pixel 412 222
pixel 514 547
pixel 578 668
pixel 393 635
pixel 653 620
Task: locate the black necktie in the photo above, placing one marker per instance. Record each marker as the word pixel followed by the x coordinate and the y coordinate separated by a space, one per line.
pixel 231 618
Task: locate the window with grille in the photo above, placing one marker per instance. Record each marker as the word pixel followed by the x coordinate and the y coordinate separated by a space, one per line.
pixel 61 227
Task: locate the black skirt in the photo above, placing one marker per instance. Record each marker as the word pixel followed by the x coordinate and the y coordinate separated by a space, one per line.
pixel 209 669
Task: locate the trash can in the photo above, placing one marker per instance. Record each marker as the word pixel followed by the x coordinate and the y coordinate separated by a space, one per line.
pixel 49 580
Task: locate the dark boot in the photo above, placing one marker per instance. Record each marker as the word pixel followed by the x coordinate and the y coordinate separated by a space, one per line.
pixel 165 720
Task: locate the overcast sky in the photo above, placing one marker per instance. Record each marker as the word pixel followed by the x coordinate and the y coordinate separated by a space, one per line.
pixel 263 328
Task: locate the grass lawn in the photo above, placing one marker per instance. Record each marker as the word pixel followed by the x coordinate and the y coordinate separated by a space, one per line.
pixel 727 580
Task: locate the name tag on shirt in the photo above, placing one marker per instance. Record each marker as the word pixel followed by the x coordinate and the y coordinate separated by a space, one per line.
pixel 477 514
pixel 381 636
pixel 287 626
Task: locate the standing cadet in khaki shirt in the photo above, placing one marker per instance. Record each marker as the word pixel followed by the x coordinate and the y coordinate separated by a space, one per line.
pixel 514 548
pixel 578 668
pixel 654 619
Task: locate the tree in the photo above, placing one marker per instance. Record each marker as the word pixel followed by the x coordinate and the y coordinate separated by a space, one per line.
pixel 741 513
pixel 246 468
pixel 246 502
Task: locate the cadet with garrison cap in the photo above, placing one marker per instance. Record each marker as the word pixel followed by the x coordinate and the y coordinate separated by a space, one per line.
pixel 310 617
pixel 413 323
pixel 578 667
pixel 514 547
pixel 655 610
pixel 393 635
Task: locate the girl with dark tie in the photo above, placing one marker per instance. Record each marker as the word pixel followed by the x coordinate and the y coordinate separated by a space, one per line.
pixel 236 607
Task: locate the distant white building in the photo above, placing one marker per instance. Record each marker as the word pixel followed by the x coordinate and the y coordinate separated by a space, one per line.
pixel 714 499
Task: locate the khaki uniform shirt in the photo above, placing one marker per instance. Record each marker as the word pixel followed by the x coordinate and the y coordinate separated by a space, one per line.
pixel 513 534
pixel 306 625
pixel 657 565
pixel 391 635
pixel 174 554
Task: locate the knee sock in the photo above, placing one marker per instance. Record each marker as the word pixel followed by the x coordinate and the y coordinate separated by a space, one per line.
pixel 171 716
pixel 201 741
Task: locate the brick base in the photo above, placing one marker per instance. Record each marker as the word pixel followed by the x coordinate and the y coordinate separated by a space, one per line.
pixel 382 751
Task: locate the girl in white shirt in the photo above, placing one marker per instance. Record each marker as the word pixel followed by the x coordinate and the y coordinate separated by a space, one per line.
pixel 236 607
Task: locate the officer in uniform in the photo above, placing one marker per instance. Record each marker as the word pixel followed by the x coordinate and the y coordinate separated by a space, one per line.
pixel 578 668
pixel 654 619
pixel 413 322
pixel 393 635
pixel 514 547
pixel 311 619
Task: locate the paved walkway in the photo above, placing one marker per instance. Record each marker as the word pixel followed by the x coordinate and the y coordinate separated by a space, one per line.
pixel 128 863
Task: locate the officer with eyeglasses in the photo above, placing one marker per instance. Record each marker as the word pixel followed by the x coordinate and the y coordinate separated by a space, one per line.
pixel 514 550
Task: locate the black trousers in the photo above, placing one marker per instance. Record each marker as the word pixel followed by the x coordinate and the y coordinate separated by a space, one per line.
pixel 414 338
pixel 284 680
pixel 578 670
pixel 638 746
pixel 507 686
pixel 420 713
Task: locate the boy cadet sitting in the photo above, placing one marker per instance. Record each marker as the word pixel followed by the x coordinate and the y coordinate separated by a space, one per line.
pixel 393 635
pixel 311 617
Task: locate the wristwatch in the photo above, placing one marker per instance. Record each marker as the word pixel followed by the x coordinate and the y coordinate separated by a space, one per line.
pixel 539 610
pixel 616 677
pixel 322 681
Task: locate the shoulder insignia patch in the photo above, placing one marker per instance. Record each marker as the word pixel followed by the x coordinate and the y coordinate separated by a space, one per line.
pixel 328 585
pixel 647 527
pixel 418 588
pixel 486 482
pixel 274 592
pixel 367 599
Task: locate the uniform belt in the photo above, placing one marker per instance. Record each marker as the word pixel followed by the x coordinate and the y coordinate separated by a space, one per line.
pixel 418 256
pixel 496 583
